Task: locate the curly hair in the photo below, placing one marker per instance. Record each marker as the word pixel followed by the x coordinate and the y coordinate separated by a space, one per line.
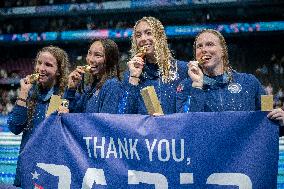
pixel 61 81
pixel 225 58
pixel 162 53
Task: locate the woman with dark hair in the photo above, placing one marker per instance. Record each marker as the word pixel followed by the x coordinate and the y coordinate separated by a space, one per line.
pixel 153 67
pixel 213 85
pixel 102 92
pixel 51 67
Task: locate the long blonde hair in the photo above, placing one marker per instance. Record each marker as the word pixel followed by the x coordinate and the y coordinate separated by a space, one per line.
pixel 162 53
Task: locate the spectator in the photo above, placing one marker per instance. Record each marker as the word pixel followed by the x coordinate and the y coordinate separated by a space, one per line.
pixel 3 74
pixel 263 70
pixel 269 89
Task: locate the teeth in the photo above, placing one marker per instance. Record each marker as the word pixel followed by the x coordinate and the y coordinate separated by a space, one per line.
pixel 204 58
pixel 86 68
pixel 145 46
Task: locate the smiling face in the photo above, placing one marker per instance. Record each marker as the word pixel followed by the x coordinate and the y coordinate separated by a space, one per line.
pixel 209 51
pixel 144 38
pixel 96 58
pixel 46 66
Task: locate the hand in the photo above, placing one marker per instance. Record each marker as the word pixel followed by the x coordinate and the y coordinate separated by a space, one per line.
pixel 196 74
pixel 157 114
pixel 63 110
pixel 25 86
pixel 75 77
pixel 277 114
pixel 135 66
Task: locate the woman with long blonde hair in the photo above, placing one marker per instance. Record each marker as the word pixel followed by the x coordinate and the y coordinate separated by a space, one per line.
pixel 152 64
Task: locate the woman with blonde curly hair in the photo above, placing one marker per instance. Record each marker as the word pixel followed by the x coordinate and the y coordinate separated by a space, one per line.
pixel 51 65
pixel 152 66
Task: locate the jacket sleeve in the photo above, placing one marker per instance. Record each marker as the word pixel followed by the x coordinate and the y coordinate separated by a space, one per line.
pixel 76 101
pixel 182 69
pixel 110 96
pixel 17 119
pixel 128 103
pixel 188 98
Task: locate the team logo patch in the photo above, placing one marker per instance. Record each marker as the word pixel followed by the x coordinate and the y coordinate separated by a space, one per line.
pixel 235 88
pixel 180 88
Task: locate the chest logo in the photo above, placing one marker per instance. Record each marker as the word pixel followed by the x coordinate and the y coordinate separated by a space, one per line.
pixel 234 88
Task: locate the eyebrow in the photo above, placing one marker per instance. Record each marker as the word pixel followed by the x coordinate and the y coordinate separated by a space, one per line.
pixel 142 31
pixel 95 52
pixel 209 41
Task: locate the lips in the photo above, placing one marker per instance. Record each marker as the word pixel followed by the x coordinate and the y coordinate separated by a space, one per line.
pixel 147 46
pixel 42 76
pixel 94 68
pixel 205 58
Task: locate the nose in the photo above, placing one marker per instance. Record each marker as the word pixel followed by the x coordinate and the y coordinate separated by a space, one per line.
pixel 91 59
pixel 41 68
pixel 144 37
pixel 204 49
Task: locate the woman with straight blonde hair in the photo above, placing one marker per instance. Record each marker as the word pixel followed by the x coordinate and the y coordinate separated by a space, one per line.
pixel 214 86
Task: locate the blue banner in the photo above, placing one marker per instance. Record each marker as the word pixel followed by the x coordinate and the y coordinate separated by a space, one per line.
pixel 196 150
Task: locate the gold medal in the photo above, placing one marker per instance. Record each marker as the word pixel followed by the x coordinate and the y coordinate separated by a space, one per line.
pixel 86 68
pixel 142 51
pixel 34 78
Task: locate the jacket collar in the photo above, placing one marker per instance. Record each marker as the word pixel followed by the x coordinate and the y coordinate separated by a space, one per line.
pixel 150 71
pixel 215 81
pixel 43 95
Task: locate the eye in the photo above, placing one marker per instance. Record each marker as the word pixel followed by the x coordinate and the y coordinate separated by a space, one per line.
pixel 210 44
pixel 49 64
pixel 38 62
pixel 198 46
pixel 149 33
pixel 138 35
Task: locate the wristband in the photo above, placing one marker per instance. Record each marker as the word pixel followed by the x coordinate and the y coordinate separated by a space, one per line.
pixel 134 76
pixel 21 99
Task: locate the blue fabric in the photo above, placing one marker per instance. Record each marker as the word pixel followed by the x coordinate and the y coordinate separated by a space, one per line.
pixel 3 186
pixel 18 119
pixel 132 102
pixel 240 143
pixel 217 95
pixel 105 101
